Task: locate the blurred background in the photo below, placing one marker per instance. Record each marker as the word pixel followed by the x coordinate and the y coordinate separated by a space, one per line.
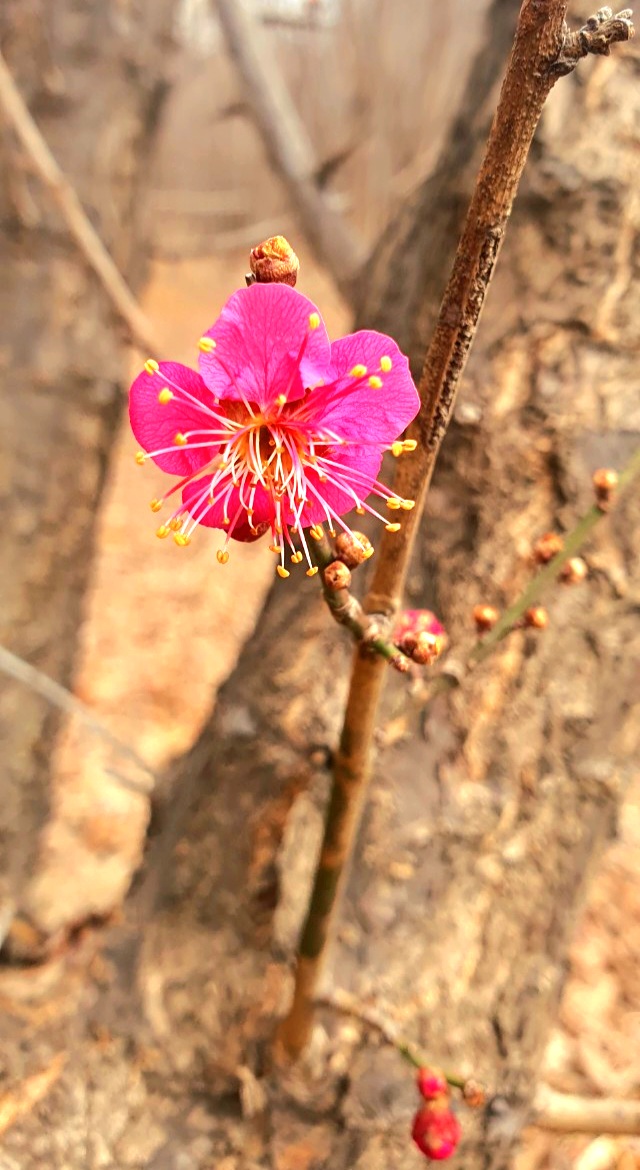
pixel 156 630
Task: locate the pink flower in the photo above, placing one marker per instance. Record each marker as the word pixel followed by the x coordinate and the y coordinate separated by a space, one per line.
pixel 431 1084
pixel 436 1130
pixel 281 430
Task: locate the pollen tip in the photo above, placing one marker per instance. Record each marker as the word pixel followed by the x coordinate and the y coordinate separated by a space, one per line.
pixel 165 396
pixel 181 539
pixel 151 366
pixel 397 448
pixel 360 511
pixel 155 505
pixel 275 548
pixel 281 571
pixel 314 320
pixel 393 527
pixel 140 458
pixel 368 552
pixel 375 382
pixel 312 571
pixel 206 345
pixel 407 505
pixel 385 363
pixel 162 531
pixel 394 503
pixel 296 557
pixel 281 400
pixel 410 444
pixel 317 532
pixel 180 440
pixel 358 372
pixel 175 524
pixel 222 556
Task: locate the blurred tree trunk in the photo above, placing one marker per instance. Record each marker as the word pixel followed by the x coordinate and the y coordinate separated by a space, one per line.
pixel 497 809
pixel 63 355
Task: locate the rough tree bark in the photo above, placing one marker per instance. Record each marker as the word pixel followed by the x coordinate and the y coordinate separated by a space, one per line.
pixel 63 355
pixel 483 827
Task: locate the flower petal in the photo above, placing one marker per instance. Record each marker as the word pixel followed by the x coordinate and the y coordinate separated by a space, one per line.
pixel 355 409
pixel 195 493
pixel 155 424
pixel 258 339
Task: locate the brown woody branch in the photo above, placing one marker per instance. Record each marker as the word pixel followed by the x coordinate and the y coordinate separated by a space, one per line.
pixel 532 71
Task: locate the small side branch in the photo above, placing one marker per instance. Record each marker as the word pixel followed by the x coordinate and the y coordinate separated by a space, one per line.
pixel 63 194
pixel 288 146
pixel 597 36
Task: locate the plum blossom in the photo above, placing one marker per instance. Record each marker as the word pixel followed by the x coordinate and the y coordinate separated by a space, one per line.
pixel 280 431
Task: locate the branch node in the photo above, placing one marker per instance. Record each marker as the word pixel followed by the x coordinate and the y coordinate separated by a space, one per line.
pixel 596 37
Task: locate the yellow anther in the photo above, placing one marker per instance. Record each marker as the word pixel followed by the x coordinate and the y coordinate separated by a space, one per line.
pixel 151 366
pixel 410 444
pixel 314 320
pixel 162 531
pixel 368 552
pixel 407 505
pixel 140 458
pixel 275 548
pixel 397 448
pixel 222 556
pixel 394 503
pixel 332 533
pixel 360 510
pixel 385 364
pixel 281 571
pixel 182 540
pixel 393 527
pixel 296 557
pixel 281 401
pixel 156 505
pixel 206 345
pixel 322 477
pixel 165 396
pixel 358 372
pixel 317 531
pixel 312 571
pixel 375 382
pixel 278 529
pixel 180 440
pixel 175 524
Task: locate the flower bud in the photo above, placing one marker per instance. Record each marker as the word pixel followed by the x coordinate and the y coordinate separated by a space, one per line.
pixel 337 576
pixel 485 617
pixel 574 571
pixel 536 618
pixel 431 1084
pixel 436 1130
pixel 605 482
pixel 547 547
pixel 473 1094
pixel 274 261
pixel 352 548
pixel 419 634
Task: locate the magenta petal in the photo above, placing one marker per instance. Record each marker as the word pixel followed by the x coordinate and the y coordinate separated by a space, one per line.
pixel 195 493
pixel 155 425
pixel 353 408
pixel 258 336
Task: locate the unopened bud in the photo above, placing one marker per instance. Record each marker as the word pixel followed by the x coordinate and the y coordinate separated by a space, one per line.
pixel 431 1084
pixel 274 261
pixel 536 618
pixel 547 547
pixel 473 1094
pixel 605 482
pixel 337 576
pixel 574 571
pixel 436 1130
pixel 485 617
pixel 426 648
pixel 352 548
pixel 420 635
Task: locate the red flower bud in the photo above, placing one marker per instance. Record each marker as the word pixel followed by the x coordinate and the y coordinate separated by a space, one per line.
pixel 536 618
pixel 436 1130
pixel 352 548
pixel 431 1084
pixel 485 617
pixel 274 260
pixel 574 571
pixel 337 576
pixel 547 547
pixel 605 482
pixel 419 634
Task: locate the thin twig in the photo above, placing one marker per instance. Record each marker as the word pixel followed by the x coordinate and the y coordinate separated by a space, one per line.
pixel 64 195
pixel 288 146
pixel 541 35
pixel 60 697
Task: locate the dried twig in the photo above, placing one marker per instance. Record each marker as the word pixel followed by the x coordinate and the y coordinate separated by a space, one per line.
pixel 288 146
pixel 20 1101
pixel 541 37
pixel 64 195
pixel 565 1113
pixel 60 697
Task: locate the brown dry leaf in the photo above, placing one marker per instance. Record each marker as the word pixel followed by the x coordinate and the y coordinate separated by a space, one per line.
pixel 22 1100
